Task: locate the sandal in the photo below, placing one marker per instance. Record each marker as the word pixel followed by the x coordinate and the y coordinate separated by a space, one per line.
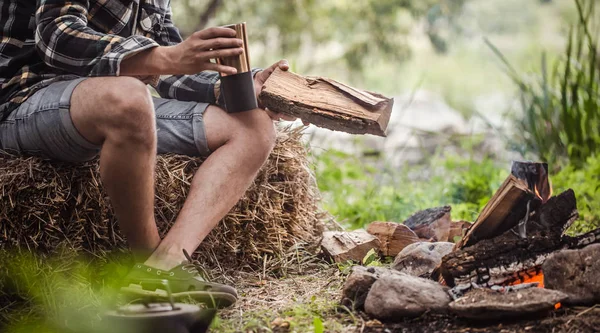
pixel 184 281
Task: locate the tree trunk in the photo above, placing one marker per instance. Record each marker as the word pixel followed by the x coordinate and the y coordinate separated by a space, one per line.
pixel 209 13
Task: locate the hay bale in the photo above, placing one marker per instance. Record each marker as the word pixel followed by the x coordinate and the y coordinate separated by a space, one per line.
pixel 46 204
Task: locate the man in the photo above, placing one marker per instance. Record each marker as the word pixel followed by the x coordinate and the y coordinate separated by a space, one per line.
pixel 73 75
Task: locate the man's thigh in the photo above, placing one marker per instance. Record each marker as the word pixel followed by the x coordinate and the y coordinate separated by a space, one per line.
pixel 42 126
pixel 181 127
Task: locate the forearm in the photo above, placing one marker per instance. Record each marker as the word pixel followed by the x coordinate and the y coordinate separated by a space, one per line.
pixel 155 61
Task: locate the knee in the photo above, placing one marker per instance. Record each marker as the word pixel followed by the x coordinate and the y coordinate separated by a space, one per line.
pixel 261 133
pixel 131 116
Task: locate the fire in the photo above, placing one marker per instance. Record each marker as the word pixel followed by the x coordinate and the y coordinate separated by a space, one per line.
pixel 545 196
pixel 532 278
pixel 539 278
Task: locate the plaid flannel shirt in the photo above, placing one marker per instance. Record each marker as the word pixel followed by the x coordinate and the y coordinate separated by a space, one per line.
pixel 45 41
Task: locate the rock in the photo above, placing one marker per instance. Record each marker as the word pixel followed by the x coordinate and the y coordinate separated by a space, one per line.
pixel 431 224
pixel 394 237
pixel 342 246
pixel 393 297
pixel 486 304
pixel 576 273
pixel 420 259
pixel 359 282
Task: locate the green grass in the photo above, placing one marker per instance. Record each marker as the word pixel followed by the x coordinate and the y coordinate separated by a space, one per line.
pixel 358 191
pixel 560 122
pixel 65 292
pixel 68 292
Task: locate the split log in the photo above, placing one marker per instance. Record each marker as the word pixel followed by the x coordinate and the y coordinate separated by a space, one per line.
pixel 342 246
pixel 393 236
pixel 535 174
pixel 432 224
pixel 327 103
pixel 509 206
pixel 500 260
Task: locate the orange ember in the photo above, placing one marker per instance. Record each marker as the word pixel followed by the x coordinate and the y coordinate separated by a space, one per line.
pixel 539 278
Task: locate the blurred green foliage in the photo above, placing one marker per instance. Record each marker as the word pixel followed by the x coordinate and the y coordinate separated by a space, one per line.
pixel 358 191
pixel 322 31
pixel 65 292
pixel 585 181
pixel 561 105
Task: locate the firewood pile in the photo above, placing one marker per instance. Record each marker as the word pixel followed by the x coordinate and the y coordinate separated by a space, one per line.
pixel 514 261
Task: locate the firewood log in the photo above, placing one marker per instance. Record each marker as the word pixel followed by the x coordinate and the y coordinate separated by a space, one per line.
pixel 393 236
pixel 342 246
pixel 432 224
pixel 326 103
pixel 500 259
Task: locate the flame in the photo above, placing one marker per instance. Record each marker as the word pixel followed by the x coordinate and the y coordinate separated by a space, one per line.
pixel 544 197
pixel 535 189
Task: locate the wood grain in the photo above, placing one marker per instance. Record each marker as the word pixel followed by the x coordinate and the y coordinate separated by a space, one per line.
pixel 327 103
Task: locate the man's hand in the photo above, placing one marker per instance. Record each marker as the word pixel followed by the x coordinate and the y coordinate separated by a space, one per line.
pixel 259 80
pixel 191 56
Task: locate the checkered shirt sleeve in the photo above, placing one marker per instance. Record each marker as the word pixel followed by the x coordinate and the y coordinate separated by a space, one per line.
pixel 198 87
pixel 64 40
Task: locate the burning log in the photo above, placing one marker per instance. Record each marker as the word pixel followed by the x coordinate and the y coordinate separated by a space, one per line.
pixel 507 258
pixel 327 103
pixel 509 206
pixel 536 177
pixel 523 191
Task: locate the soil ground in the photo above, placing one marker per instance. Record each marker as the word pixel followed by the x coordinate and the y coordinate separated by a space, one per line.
pixel 292 303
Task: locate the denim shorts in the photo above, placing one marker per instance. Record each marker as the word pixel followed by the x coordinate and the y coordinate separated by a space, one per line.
pixel 42 126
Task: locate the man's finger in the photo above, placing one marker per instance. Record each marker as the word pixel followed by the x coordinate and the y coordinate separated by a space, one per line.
pixel 220 43
pixel 273 115
pixel 221 68
pixel 286 117
pixel 223 53
pixel 215 32
pixel 264 75
pixel 283 65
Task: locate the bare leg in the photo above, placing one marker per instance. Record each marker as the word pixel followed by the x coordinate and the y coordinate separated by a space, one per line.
pixel 240 143
pixel 119 114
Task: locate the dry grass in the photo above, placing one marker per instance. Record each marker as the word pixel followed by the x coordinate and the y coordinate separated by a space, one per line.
pixel 46 204
pixel 291 304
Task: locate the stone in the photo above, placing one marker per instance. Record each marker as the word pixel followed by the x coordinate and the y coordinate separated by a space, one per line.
pixel 395 296
pixel 576 273
pixel 358 284
pixel 343 246
pixel 420 259
pixel 487 304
